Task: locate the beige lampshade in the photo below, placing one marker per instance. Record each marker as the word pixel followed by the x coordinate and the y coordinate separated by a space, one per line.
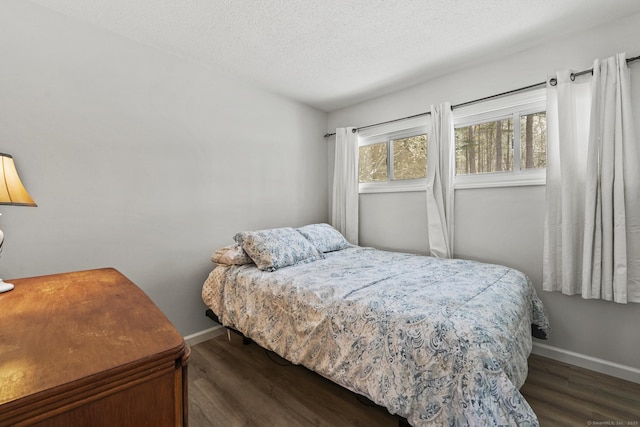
pixel 12 192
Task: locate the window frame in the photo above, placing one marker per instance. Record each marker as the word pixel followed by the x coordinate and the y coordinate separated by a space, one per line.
pixel 387 134
pixel 507 107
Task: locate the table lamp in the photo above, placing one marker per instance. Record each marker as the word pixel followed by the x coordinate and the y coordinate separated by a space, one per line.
pixel 12 192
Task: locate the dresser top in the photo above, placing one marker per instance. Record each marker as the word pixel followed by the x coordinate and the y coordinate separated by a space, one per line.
pixel 60 329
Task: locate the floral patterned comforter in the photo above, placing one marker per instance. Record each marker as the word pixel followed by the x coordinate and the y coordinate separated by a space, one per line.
pixel 439 342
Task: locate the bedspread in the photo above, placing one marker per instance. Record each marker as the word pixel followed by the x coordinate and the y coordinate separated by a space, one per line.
pixel 437 341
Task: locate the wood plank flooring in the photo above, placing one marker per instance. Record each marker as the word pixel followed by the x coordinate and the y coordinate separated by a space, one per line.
pixel 566 395
pixel 232 385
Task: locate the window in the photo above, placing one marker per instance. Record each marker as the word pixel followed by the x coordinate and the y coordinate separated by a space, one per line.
pixel 502 142
pixel 393 161
pixel 499 142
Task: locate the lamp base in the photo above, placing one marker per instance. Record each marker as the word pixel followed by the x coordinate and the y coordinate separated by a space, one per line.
pixel 5 287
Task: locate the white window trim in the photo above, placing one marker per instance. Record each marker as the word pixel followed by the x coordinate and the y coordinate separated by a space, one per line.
pixel 485 110
pixel 505 107
pixel 501 179
pixel 393 186
pixel 397 126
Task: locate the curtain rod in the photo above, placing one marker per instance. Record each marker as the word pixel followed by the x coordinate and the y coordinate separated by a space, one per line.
pixel 552 81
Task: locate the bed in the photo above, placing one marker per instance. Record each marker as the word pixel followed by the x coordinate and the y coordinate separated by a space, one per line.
pixel 436 341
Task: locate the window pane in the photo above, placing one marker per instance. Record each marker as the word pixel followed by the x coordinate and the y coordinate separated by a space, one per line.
pixel 372 163
pixel 485 147
pixel 533 137
pixel 410 157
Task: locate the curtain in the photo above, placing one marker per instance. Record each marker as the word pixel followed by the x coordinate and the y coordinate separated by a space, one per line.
pixel 612 208
pixel 568 106
pixel 592 216
pixel 344 207
pixel 440 172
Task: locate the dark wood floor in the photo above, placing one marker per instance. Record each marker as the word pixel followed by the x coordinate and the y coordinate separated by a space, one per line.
pixel 566 395
pixel 231 385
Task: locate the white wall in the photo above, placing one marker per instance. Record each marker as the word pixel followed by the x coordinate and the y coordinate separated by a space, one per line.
pixel 142 161
pixel 504 225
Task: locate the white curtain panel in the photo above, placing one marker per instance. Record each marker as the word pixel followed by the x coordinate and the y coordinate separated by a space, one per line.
pixel 344 207
pixel 612 205
pixel 592 223
pixel 568 106
pixel 440 172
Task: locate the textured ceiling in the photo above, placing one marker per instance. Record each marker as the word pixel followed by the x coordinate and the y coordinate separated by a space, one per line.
pixel 333 53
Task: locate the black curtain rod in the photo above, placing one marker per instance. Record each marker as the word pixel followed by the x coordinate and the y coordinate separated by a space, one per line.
pixel 427 113
pixel 553 81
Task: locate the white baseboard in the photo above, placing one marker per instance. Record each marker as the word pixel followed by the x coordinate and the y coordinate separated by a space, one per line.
pixel 198 337
pixel 592 363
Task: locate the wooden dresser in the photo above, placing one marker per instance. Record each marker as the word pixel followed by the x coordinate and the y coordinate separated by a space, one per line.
pixel 89 348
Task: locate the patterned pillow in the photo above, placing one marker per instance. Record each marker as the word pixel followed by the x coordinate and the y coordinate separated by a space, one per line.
pixel 324 237
pixel 231 255
pixel 276 248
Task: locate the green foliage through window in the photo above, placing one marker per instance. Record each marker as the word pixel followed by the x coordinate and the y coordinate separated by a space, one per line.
pixel 492 146
pixel 485 147
pixel 372 163
pixel 395 159
pixel 533 140
pixel 410 157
